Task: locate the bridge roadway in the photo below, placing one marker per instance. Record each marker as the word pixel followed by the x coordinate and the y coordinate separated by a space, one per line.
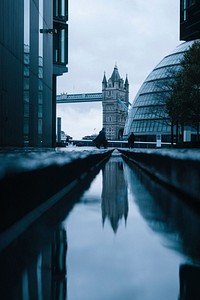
pixel 74 98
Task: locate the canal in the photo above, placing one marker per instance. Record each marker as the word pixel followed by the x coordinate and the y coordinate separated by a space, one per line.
pixel 120 236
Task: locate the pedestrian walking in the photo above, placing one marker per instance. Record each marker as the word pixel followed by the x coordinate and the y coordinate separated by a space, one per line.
pixel 131 140
pixel 101 140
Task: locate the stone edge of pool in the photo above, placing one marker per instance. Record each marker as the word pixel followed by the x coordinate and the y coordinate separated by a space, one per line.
pixel 179 169
pixel 30 183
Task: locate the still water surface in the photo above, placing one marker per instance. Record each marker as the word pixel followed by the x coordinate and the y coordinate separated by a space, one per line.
pixel 127 238
pixel 123 244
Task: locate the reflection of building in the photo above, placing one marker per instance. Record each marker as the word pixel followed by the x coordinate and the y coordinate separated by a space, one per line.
pixel 59 252
pixel 115 101
pixel 46 278
pixel 33 52
pixel 31 270
pixel 114 193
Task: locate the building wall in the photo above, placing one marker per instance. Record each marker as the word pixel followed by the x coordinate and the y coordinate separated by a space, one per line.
pixel 11 72
pixel 27 78
pixel 49 99
pixel 189 20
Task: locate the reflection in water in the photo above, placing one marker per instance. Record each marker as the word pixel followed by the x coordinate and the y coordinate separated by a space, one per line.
pixel 114 193
pixel 59 253
pixel 132 265
pixel 34 265
pixel 46 278
pixel 170 216
pixel 41 275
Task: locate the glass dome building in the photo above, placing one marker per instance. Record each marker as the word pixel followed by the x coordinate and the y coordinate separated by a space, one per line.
pixel 147 117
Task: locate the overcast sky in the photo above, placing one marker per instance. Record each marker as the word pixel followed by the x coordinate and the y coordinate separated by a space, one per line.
pixel 134 34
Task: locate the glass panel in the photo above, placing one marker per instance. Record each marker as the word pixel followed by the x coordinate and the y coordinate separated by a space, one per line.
pixel 39 126
pixel 41 36
pixel 62 45
pixel 26 58
pixel 56 8
pixel 26 71
pixel 26 83
pixel 26 96
pixel 184 10
pixel 26 68
pixel 39 111
pixel 26 126
pixel 27 22
pixel 40 98
pixel 62 8
pixel 26 110
pixel 40 85
pixel 40 72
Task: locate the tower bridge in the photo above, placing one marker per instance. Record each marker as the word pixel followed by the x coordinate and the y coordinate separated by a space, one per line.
pixel 74 98
pixel 115 103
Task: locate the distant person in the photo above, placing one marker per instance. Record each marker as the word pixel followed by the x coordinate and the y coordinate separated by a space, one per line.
pixel 101 140
pixel 131 140
pixel 67 140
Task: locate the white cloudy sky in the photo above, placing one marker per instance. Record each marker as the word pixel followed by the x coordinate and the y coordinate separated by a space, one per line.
pixel 135 34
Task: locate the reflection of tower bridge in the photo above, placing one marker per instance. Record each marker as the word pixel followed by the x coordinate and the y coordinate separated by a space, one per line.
pixel 115 102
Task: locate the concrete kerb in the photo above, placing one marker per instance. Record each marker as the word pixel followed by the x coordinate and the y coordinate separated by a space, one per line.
pixel 179 169
pixel 28 181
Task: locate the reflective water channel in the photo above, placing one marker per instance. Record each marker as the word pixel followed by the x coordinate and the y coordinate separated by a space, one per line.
pixel 124 237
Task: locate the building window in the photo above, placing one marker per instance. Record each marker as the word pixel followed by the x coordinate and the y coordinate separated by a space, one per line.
pixel 26 83
pixel 39 111
pixel 26 127
pixel 184 10
pixel 40 85
pixel 61 45
pixel 26 69
pixel 192 2
pixel 39 126
pixel 27 22
pixel 61 9
pixel 41 36
pixel 40 98
pixel 26 110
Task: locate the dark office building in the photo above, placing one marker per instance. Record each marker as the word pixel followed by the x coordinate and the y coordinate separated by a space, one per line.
pixel 33 52
pixel 189 20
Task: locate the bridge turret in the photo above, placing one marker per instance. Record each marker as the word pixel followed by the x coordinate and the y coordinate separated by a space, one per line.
pixel 126 88
pixel 104 82
pixel 126 84
pixel 115 78
pixel 115 99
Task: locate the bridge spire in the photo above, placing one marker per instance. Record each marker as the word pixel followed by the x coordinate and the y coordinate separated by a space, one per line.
pixel 104 82
pixel 126 84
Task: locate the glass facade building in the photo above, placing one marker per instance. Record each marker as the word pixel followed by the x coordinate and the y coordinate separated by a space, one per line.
pixel 33 52
pixel 147 117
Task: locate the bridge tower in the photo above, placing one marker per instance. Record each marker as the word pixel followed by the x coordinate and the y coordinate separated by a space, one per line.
pixel 115 101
